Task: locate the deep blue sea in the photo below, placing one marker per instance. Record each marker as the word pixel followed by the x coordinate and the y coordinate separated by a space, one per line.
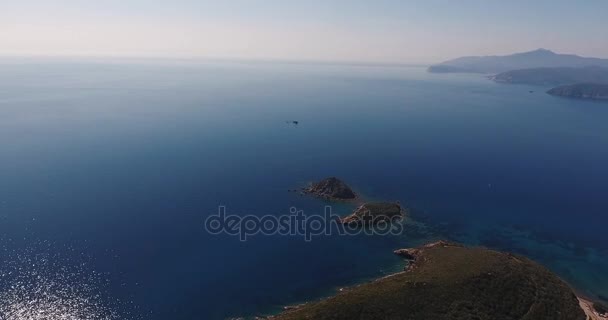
pixel 108 169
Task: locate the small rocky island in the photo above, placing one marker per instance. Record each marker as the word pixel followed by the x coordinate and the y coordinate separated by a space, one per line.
pixel 592 91
pixel 332 189
pixel 373 213
pixel 450 281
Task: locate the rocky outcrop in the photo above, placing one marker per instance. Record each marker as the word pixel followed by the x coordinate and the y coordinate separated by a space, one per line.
pixel 373 213
pixel 412 254
pixel 331 188
pixel 408 254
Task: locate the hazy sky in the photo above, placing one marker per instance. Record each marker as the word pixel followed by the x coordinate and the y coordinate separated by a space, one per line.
pixel 343 30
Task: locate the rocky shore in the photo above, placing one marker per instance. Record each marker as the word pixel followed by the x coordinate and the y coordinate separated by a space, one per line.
pixel 593 310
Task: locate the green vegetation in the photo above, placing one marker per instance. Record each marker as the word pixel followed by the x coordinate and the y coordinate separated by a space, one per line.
pixel 450 282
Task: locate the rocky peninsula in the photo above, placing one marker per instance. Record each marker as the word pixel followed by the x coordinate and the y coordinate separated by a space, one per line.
pixel 443 280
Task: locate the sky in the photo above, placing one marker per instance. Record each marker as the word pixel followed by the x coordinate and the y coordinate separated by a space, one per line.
pixel 387 31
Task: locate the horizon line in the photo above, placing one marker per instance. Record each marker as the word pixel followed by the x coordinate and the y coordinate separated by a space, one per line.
pixel 361 63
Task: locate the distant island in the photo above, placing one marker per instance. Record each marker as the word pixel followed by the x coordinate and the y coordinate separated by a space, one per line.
pixel 449 281
pixel 540 58
pixel 594 91
pixel 331 188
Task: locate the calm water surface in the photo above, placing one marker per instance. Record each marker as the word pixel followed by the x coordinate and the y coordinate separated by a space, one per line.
pixel 110 167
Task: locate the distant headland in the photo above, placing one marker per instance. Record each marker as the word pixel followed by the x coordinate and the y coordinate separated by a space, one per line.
pixel 594 91
pixel 541 58
pixel 577 77
pixel 553 76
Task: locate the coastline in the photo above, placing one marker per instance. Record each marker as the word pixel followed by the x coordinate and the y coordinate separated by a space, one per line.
pixel 394 270
pixel 587 306
pixel 585 303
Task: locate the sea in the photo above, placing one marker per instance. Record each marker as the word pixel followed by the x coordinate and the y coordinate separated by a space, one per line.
pixel 109 169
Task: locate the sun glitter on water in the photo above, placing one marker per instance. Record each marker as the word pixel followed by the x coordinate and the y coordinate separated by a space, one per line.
pixel 38 286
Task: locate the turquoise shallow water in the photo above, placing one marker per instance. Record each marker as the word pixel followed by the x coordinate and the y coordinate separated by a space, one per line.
pixel 112 166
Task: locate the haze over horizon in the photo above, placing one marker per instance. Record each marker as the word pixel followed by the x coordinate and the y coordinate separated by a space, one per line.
pixel 387 31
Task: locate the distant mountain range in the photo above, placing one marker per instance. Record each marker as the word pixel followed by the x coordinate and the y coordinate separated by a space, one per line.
pixel 579 77
pixel 540 58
